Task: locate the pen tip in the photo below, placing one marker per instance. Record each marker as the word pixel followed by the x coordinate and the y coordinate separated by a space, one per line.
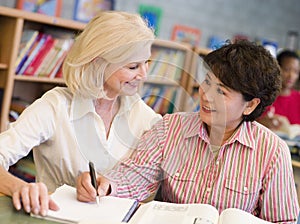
pixel 98 200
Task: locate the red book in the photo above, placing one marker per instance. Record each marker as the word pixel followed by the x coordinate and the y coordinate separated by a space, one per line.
pixel 38 59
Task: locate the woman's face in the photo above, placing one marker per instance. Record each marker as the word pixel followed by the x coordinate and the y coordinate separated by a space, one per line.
pixel 290 69
pixel 126 80
pixel 220 106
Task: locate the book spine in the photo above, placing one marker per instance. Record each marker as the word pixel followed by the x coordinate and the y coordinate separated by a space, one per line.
pixel 25 52
pixel 28 39
pixel 36 62
pixel 34 52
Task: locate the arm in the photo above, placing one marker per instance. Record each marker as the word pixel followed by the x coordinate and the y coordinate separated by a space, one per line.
pixel 32 196
pixel 137 177
pixel 279 198
pixel 29 130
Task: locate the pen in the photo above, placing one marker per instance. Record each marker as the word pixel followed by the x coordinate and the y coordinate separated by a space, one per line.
pixel 94 180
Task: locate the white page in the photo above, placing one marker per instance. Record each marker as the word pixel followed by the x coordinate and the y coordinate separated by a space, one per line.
pixel 164 213
pixel 111 209
pixel 237 216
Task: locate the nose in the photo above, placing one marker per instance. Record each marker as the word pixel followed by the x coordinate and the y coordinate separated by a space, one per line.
pixel 207 92
pixel 142 72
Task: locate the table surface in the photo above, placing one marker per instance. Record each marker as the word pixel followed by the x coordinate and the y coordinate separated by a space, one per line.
pixel 9 215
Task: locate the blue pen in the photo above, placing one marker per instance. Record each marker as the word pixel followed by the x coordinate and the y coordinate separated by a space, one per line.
pixel 131 211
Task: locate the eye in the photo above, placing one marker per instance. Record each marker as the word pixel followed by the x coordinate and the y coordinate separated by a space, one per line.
pixel 206 81
pixel 220 91
pixel 133 66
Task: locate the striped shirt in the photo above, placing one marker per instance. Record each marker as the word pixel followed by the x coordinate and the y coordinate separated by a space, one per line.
pixel 252 170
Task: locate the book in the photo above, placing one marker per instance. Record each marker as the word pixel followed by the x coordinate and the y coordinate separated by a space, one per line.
pixel 59 58
pixel 28 38
pixel 111 209
pixel 35 49
pixel 164 212
pixel 114 210
pixel 290 133
pixel 40 56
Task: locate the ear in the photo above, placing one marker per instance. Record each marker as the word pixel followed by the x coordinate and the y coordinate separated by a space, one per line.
pixel 251 105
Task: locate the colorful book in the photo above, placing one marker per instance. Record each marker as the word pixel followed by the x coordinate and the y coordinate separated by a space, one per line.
pixel 59 58
pixel 38 59
pixel 27 40
pixel 36 48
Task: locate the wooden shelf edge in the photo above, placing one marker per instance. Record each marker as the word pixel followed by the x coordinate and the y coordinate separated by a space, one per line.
pixel 3 66
pixel 41 18
pixel 296 163
pixel 39 79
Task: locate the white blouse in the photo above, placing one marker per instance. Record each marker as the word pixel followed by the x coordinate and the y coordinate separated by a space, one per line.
pixel 65 133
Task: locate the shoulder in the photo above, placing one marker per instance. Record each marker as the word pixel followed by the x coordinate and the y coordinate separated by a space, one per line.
pixel 186 119
pixel 58 96
pixel 267 140
pixel 295 93
pixel 135 105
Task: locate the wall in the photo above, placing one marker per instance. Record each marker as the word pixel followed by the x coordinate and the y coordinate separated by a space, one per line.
pixel 270 19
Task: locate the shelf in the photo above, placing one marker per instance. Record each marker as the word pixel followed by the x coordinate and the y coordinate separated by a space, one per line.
pixel 3 66
pixel 39 79
pixel 161 81
pixel 40 18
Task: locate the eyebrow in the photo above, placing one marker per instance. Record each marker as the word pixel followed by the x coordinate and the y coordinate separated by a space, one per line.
pixel 220 84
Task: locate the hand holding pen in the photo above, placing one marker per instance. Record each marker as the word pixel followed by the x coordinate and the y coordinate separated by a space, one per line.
pixel 86 191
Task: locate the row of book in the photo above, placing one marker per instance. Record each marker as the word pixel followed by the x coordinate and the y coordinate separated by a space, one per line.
pixel 166 64
pixel 41 54
pixel 161 99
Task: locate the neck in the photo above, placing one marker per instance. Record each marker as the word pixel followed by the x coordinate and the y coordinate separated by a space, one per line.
pixel 285 92
pixel 106 105
pixel 219 135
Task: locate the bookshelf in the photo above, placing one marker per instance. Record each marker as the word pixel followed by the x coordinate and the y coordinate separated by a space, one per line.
pixel 165 88
pixel 13 24
pixel 192 103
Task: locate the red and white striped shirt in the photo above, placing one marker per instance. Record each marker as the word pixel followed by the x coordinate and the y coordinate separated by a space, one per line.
pixel 252 170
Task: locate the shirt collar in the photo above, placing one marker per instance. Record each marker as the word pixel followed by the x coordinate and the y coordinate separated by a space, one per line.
pixel 244 134
pixel 81 106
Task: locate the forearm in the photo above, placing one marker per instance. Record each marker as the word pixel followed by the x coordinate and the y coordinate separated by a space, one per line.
pixel 9 183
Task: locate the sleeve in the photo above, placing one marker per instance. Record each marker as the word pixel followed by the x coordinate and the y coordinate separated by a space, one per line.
pixel 139 176
pixel 279 200
pixel 35 125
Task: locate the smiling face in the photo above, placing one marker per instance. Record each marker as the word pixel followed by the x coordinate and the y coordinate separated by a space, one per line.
pixel 126 80
pixel 221 107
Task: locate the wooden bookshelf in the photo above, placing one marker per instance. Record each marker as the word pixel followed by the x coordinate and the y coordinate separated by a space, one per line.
pixel 13 23
pixel 168 71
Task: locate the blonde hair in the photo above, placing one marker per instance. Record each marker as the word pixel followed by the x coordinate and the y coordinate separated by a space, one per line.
pixel 111 38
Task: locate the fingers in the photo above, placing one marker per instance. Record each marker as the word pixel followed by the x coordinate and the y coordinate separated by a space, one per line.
pixel 104 187
pixel 52 205
pixel 34 198
pixel 85 190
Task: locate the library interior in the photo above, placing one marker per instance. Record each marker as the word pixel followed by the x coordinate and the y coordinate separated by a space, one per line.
pixel 37 37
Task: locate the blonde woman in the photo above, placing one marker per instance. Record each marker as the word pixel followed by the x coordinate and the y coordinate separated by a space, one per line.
pixel 98 117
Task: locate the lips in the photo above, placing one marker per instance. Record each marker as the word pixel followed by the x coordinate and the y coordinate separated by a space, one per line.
pixel 207 109
pixel 132 84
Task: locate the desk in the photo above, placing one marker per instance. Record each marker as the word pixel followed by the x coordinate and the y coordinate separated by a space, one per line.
pixel 9 215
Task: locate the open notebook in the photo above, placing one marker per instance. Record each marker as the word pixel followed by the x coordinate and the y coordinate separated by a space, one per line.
pixel 110 210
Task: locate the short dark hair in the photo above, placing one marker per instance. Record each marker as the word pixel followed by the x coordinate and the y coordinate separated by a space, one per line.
pixel 248 68
pixel 286 54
